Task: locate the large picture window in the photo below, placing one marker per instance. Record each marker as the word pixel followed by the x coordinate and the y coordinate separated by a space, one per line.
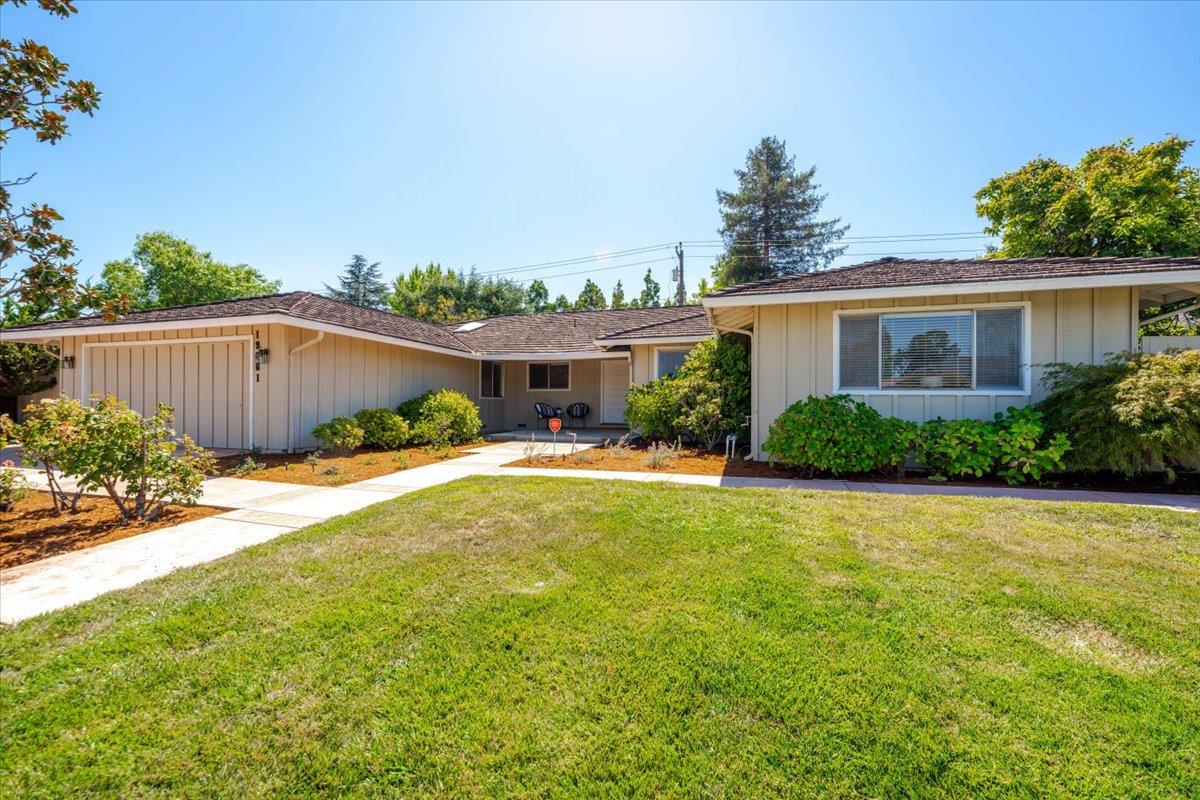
pixel 551 377
pixel 491 380
pixel 936 351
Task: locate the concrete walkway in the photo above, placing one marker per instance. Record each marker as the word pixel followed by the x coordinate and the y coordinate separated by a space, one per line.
pixel 262 510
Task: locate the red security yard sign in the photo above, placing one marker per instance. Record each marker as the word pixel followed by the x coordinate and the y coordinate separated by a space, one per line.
pixel 555 424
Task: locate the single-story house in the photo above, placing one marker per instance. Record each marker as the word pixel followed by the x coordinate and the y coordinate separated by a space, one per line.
pixel 914 338
pixel 263 371
pixel 920 339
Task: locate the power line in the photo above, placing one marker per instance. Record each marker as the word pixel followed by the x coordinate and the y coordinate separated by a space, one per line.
pixel 889 253
pixel 594 269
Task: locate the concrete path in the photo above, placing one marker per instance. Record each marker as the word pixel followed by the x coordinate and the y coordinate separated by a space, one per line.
pixel 1176 502
pixel 262 510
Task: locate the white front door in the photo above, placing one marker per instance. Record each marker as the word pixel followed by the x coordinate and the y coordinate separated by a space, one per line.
pixel 614 383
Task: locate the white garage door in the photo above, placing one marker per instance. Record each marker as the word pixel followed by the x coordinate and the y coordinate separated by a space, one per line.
pixel 207 382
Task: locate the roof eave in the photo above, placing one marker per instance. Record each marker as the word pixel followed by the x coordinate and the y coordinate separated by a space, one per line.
pixel 631 340
pixel 973 287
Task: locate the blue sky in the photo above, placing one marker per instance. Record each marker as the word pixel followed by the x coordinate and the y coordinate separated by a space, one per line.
pixel 290 135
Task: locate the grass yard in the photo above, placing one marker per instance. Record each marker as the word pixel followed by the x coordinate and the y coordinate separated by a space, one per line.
pixel 531 637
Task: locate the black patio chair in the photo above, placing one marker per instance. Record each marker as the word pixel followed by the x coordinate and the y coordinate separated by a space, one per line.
pixel 578 411
pixel 545 411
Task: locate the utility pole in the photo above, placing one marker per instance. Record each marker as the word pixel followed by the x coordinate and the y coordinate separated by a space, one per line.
pixel 677 276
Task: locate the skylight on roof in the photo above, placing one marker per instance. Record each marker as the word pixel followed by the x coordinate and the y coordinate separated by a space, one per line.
pixel 469 326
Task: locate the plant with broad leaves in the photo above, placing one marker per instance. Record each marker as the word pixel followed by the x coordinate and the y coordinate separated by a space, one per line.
pixel 50 434
pixel 13 486
pixel 340 433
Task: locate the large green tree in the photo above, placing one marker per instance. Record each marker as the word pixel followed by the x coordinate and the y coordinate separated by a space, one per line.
pixel 591 298
pixel 1117 201
pixel 165 270
pixel 38 277
pixel 436 294
pixel 537 296
pixel 618 297
pixel 361 284
pixel 651 296
pixel 769 223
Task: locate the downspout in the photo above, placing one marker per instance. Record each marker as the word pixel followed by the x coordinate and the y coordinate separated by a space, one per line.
pixel 295 351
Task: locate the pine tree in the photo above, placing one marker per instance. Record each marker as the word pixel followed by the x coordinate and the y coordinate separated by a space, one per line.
pixel 618 296
pixel 651 296
pixel 361 284
pixel 538 296
pixel 562 303
pixel 590 297
pixel 770 224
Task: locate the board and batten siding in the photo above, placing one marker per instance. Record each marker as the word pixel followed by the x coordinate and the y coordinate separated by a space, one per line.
pixel 793 350
pixel 209 384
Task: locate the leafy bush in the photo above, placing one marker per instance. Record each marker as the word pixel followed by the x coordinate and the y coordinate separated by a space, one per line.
pixel 138 461
pixel 340 433
pixel 442 418
pixel 706 399
pixel 382 427
pixel 839 435
pixel 656 408
pixel 957 448
pixel 1010 447
pixel 49 435
pixel 13 486
pixel 1134 413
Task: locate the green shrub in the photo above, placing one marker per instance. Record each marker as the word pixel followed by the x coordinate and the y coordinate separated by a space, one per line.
pixel 839 435
pixel 655 409
pixel 442 418
pixel 957 448
pixel 706 399
pixel 48 435
pixel 340 433
pixel 1134 413
pixel 382 428
pixel 1010 447
pixel 13 486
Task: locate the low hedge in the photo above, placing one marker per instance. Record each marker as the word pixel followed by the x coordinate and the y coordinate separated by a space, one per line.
pixel 382 428
pixel 441 418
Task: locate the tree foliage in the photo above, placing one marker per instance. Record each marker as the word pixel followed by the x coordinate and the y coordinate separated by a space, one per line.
pixel 1117 201
pixel 436 294
pixel 769 223
pixel 537 296
pixel 361 284
pixel 591 298
pixel 36 95
pixel 651 296
pixel 618 297
pixel 165 270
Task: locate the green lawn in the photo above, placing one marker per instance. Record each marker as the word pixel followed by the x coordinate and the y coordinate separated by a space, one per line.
pixel 548 638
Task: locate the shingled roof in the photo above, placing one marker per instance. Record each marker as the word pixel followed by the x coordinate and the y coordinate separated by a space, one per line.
pixel 571 331
pixel 300 305
pixel 576 331
pixel 895 272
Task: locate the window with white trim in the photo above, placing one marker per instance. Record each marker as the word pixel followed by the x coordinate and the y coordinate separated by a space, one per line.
pixel 550 376
pixel 977 349
pixel 668 360
pixel 491 380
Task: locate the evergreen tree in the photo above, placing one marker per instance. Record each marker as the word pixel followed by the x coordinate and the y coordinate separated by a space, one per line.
pixel 702 289
pixel 651 296
pixel 590 297
pixel 538 296
pixel 770 224
pixel 562 303
pixel 618 297
pixel 361 284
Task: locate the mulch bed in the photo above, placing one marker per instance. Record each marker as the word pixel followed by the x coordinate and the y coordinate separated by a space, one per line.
pixel 702 462
pixel 31 531
pixel 336 470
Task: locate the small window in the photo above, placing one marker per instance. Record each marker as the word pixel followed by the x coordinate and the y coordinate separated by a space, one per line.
pixel 998 349
pixel 858 362
pixel 550 377
pixel 669 361
pixel 491 379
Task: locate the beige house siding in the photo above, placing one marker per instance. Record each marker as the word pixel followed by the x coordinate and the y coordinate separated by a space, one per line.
pixel 793 350
pixel 212 385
